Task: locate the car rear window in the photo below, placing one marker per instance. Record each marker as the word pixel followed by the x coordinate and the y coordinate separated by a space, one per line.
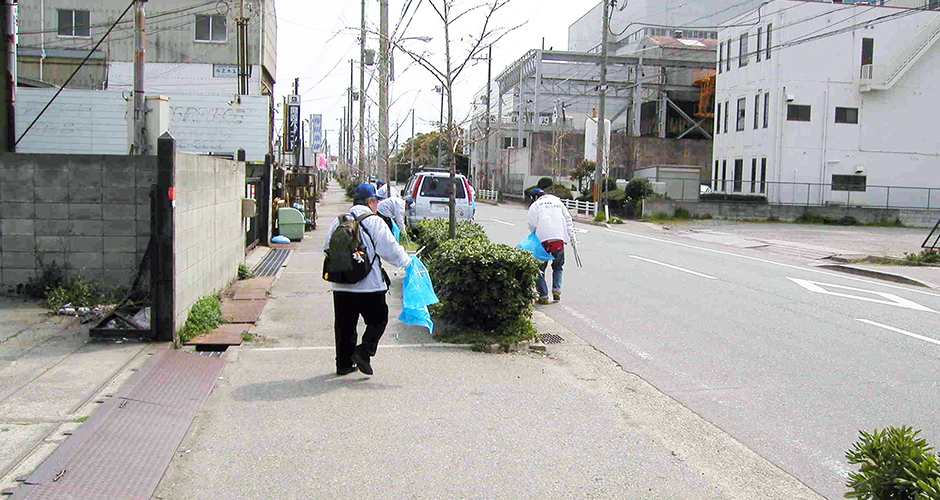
pixel 439 187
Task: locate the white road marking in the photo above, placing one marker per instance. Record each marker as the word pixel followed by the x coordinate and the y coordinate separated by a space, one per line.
pixel 503 222
pixel 765 261
pixel 898 330
pixel 677 268
pixel 890 299
pixel 607 333
pixel 579 230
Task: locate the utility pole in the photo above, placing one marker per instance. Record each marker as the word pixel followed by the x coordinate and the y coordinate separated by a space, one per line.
pixel 349 123
pixel 8 24
pixel 242 23
pixel 362 89
pixel 412 169
pixel 140 56
pixel 298 147
pixel 601 102
pixel 486 150
pixel 383 93
pixel 342 136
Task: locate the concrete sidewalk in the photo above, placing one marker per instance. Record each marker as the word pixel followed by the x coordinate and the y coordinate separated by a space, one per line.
pixel 440 421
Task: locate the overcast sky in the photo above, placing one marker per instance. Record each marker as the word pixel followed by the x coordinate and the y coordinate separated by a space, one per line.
pixel 316 40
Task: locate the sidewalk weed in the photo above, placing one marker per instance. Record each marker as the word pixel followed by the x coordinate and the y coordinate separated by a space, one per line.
pixel 244 273
pixel 205 316
pixel 928 256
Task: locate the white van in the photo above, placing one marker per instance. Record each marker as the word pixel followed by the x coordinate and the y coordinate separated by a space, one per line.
pixel 431 194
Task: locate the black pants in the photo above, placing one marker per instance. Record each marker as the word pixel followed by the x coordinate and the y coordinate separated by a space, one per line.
pixel 347 307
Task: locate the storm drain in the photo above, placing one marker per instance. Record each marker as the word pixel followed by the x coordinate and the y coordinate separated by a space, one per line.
pixel 551 338
pixel 271 262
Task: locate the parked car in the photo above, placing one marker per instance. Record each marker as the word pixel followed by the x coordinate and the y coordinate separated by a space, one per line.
pixel 431 194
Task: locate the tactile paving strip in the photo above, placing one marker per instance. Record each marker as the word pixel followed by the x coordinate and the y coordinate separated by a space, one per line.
pixel 271 262
pixel 123 450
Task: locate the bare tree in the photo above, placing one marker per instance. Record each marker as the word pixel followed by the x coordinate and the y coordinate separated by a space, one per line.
pixel 449 15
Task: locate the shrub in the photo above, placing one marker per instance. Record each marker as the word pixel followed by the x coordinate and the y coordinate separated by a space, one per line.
pixel 928 256
pixel 204 316
pixel 244 273
pixel 502 280
pixel 50 276
pixel 600 217
pixel 894 464
pixel 431 233
pixel 660 216
pixel 616 198
pixel 544 182
pixel 616 220
pixel 638 188
pixel 560 191
pixel 811 218
pixel 682 214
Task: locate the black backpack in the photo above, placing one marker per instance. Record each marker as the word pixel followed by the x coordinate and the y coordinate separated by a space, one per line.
pixel 347 260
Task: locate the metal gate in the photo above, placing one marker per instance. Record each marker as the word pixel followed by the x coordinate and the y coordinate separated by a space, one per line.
pixel 256 189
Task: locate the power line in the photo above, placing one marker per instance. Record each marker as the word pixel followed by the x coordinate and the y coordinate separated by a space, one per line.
pixel 149 16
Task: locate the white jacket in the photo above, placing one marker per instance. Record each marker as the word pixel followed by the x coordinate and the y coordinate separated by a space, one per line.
pixel 393 208
pixel 385 244
pixel 549 219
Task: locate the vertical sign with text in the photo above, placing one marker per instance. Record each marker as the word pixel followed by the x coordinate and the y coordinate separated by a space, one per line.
pixel 316 133
pixel 292 143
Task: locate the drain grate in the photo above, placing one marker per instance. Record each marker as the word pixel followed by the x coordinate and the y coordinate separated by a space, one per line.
pixel 271 262
pixel 551 338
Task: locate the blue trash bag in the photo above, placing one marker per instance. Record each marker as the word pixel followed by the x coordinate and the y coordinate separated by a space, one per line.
pixel 417 294
pixel 532 244
pixel 280 239
pixel 396 231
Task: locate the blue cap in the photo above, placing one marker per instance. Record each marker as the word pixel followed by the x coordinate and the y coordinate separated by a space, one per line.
pixel 409 202
pixel 537 192
pixel 363 191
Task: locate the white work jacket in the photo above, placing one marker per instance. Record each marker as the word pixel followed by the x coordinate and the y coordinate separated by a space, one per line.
pixel 549 219
pixel 379 239
pixel 393 208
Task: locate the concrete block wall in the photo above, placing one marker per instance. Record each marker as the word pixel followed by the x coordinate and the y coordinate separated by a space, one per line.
pixel 209 230
pixel 91 212
pixel 868 215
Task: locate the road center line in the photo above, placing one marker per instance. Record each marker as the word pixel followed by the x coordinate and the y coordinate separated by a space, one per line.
pixel 898 330
pixel 677 268
pixel 765 261
pixel 503 222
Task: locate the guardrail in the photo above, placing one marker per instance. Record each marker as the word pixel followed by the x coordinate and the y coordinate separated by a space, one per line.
pixel 588 208
pixel 487 194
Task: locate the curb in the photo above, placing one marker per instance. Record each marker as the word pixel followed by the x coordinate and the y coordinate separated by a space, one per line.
pixel 896 278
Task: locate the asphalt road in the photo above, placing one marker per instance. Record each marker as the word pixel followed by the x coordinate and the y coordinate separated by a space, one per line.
pixel 790 360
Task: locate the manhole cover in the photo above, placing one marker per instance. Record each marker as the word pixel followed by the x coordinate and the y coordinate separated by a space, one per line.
pixel 551 338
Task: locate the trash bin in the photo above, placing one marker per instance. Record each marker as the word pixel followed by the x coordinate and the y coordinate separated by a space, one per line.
pixel 291 222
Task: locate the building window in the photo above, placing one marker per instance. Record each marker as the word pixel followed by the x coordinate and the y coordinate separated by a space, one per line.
pixel 513 142
pixel 868 50
pixel 763 175
pixel 724 175
pixel 210 28
pixel 718 120
pixel 798 112
pixel 721 56
pixel 766 108
pixel 753 173
pixel 728 60
pixel 727 107
pixel 742 58
pixel 739 125
pixel 767 49
pixel 738 174
pixel 848 182
pixel 758 43
pixel 74 23
pixel 756 111
pixel 846 115
pixel 715 177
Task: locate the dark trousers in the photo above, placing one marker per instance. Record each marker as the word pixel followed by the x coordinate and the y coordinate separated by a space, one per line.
pixel 347 307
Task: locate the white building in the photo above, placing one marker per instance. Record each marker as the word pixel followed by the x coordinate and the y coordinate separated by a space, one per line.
pixel 829 104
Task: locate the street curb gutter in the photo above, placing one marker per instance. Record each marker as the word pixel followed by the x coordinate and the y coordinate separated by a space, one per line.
pixel 897 278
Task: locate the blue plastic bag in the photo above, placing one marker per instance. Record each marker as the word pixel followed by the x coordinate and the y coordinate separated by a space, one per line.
pixel 417 294
pixel 532 244
pixel 280 239
pixel 396 231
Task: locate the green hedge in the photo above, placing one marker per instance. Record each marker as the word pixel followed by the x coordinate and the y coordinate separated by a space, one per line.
pixel 483 285
pixel 431 233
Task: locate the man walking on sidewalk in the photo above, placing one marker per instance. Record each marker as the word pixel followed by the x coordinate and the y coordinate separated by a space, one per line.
pixel 365 298
pixel 550 221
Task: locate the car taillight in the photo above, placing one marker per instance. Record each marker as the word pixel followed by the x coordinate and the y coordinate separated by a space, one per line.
pixel 466 185
pixel 414 195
